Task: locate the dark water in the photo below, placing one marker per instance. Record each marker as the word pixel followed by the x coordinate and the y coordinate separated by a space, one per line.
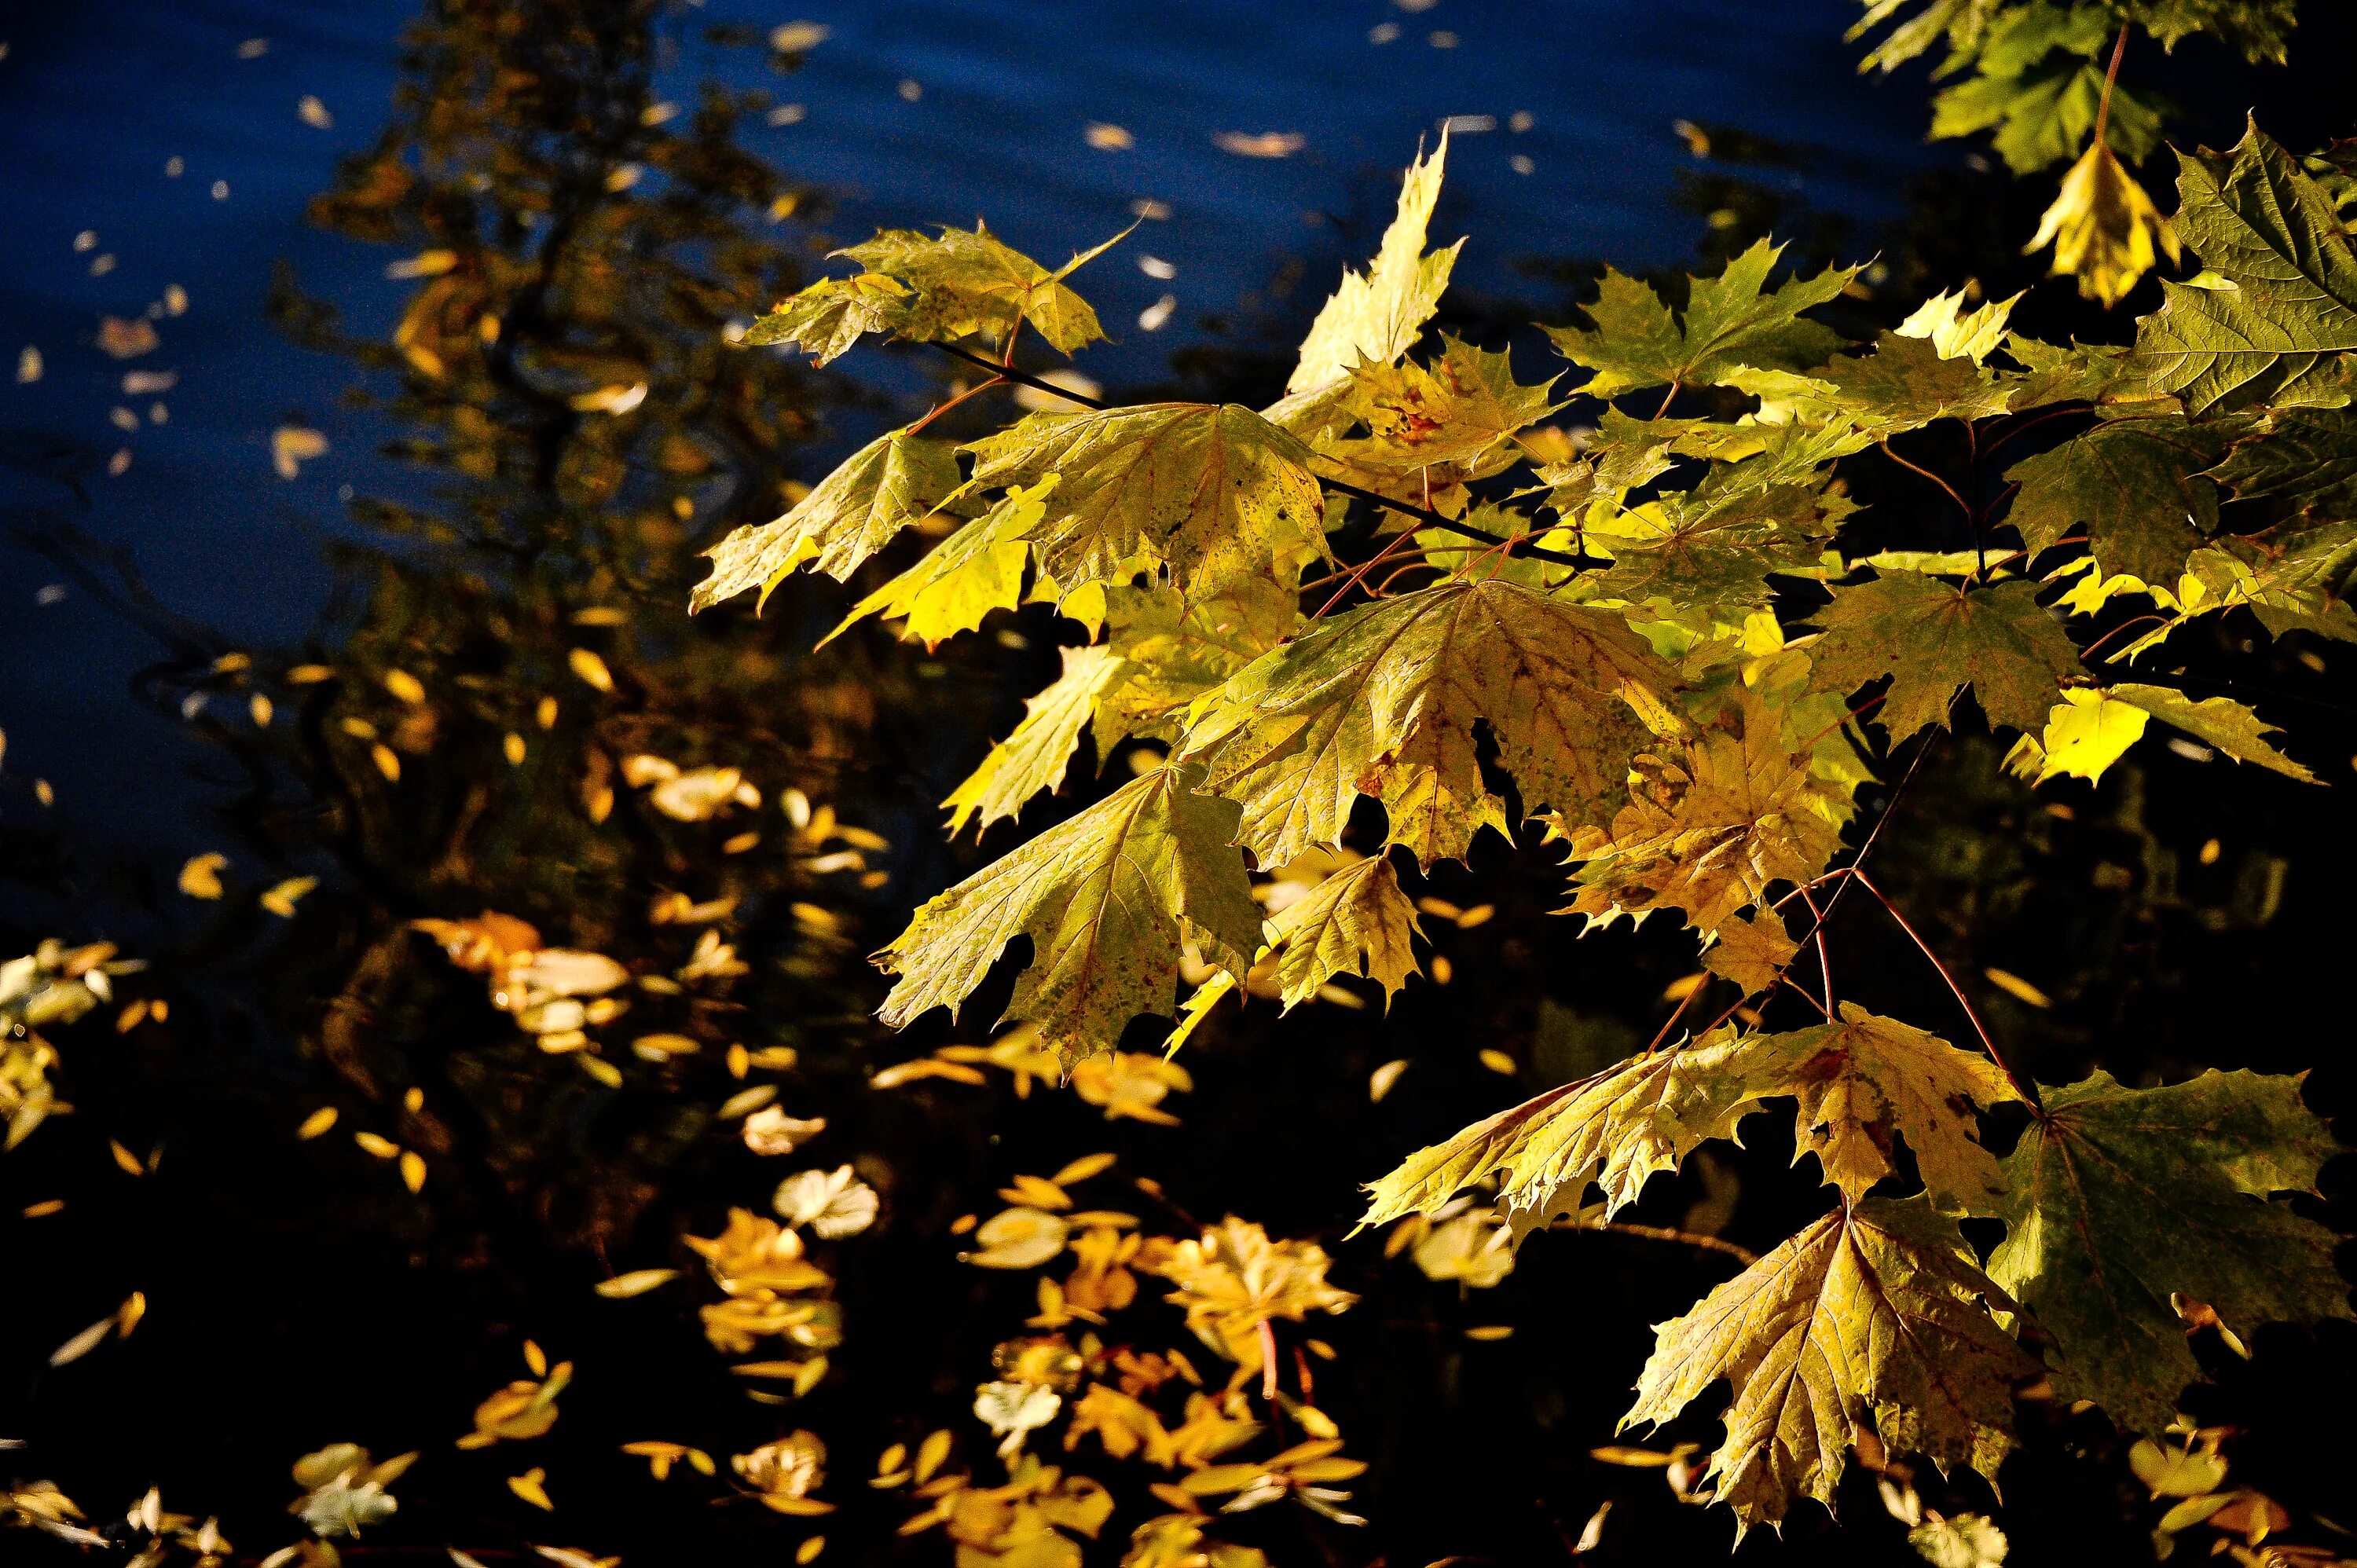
pixel 95 99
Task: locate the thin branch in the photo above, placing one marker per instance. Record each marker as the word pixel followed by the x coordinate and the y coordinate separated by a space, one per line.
pixel 939 409
pixel 1743 1255
pixel 2111 80
pixel 2022 1086
pixel 1927 473
pixel 1824 964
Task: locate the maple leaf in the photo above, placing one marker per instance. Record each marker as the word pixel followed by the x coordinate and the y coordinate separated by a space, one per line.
pixel 2137 486
pixel 1356 921
pixel 828 318
pixel 2103 229
pixel 1909 380
pixel 2221 721
pixel 1729 326
pixel 1107 898
pixel 1212 490
pixel 1709 832
pixel 2086 732
pixel 1963 22
pixel 2037 87
pixel 1931 638
pixel 1714 545
pixel 1751 950
pixel 1457 411
pixel 1376 316
pixel 2286 300
pixel 1877 1308
pixel 850 515
pixel 1862 1083
pixel 1176 647
pixel 1616 1129
pixel 1958 333
pixel 2120 1198
pixel 1381 701
pixel 2307 455
pixel 966 282
pixel 1033 756
pixel 974 571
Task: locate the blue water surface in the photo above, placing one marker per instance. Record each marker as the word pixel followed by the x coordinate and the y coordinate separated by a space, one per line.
pixel 911 111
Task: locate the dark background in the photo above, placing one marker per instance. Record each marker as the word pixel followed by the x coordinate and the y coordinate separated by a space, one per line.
pixel 298 1296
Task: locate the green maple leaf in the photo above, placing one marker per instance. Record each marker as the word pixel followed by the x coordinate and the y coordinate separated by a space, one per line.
pixel 1877 1308
pixel 966 282
pixel 1729 326
pixel 1034 755
pixel 2038 84
pixel 850 515
pixel 1866 1081
pixel 2123 1197
pixel 1708 829
pixel 1714 545
pixel 2304 455
pixel 1963 24
pixel 1615 1129
pixel 826 318
pixel 2221 721
pixel 1107 900
pixel 1957 333
pixel 1214 491
pixel 974 571
pixel 2260 28
pixel 1175 648
pixel 1376 316
pixel 1907 381
pixel 2137 486
pixel 1381 701
pixel 1356 921
pixel 2293 579
pixel 2278 302
pixel 1931 638
pixel 1457 411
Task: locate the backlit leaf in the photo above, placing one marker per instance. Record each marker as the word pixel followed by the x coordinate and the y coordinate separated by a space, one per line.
pixel 1209 489
pixel 854 513
pixel 1033 756
pixel 1376 316
pixel 1866 1081
pixel 1880 1308
pixel 1357 922
pixel 1728 324
pixel 1106 899
pixel 1381 701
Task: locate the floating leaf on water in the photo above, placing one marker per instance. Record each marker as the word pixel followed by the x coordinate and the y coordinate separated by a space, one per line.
pixel 1267 144
pixel 292 445
pixel 201 876
pixel 637 1281
pixel 281 898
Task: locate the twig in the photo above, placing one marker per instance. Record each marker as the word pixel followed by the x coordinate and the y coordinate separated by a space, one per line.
pixel 2022 1086
pixel 1744 1255
pixel 1824 964
pixel 2111 78
pixel 939 409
